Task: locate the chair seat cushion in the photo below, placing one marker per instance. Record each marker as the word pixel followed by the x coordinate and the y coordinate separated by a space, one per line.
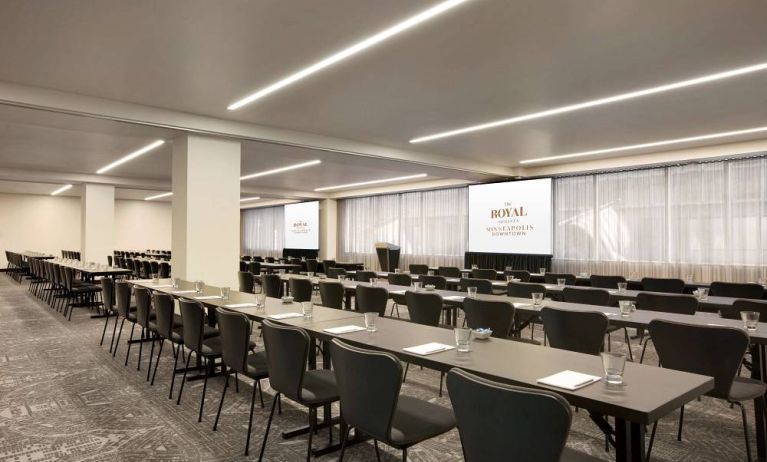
pixel 207 331
pixel 744 389
pixel 257 368
pixel 211 346
pixel 416 420
pixel 319 387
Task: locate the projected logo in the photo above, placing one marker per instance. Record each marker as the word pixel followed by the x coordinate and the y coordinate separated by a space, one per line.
pixel 509 220
pixel 300 227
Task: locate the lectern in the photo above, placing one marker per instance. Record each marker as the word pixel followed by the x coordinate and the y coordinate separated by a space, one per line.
pixel 388 255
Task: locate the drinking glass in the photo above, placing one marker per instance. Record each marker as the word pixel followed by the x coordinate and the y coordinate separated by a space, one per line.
pixel 614 364
pixel 430 272
pixel 321 276
pixel 174 282
pixel 462 339
pixel 417 286
pixel 225 293
pixel 509 278
pixel 537 298
pixel 465 274
pixel 626 307
pixel 155 278
pixel 750 320
pixel 509 268
pixel 310 274
pixel 561 282
pixel 370 321
pixel 373 281
pixel 307 308
pixel 542 270
pixel 199 286
pixel 701 293
pixel 622 286
pixel 341 277
pixel 474 266
pixel 472 292
pixel 397 270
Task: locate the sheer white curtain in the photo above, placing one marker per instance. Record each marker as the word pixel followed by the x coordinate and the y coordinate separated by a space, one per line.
pixel 702 221
pixel 429 226
pixel 262 231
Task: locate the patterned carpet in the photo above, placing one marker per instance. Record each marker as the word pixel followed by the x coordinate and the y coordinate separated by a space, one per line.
pixel 64 398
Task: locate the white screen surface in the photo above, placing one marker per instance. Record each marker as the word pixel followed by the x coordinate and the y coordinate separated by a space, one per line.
pixel 302 225
pixel 511 217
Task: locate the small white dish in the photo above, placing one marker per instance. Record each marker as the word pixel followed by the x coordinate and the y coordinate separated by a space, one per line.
pixel 429 287
pixel 482 333
pixel 287 299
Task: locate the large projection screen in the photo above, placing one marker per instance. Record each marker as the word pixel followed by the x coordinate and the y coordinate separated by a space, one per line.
pixel 511 217
pixel 302 225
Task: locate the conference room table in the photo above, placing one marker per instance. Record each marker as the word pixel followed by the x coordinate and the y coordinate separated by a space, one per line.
pixel 89 272
pixel 36 255
pixel 271 267
pixel 649 392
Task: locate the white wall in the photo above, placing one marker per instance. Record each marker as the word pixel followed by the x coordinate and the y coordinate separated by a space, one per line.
pixel 141 225
pixel 38 223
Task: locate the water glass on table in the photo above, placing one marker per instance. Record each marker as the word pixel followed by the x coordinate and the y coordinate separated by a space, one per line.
pixel 561 282
pixel 701 293
pixel 472 291
pixel 626 307
pixel 261 300
pixel 462 339
pixel 370 321
pixel 307 308
pixel 750 320
pixel 174 282
pixel 155 278
pixel 542 271
pixel 622 286
pixel 416 286
pixel 225 293
pixel 199 286
pixel 537 298
pixel 613 364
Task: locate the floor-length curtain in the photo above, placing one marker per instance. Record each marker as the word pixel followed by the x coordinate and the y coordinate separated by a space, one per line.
pixel 262 231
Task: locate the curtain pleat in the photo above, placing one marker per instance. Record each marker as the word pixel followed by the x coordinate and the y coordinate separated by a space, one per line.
pixel 262 231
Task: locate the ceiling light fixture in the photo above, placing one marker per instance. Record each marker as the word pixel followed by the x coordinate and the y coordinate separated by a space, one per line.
pixel 151 198
pixel 597 102
pixel 61 190
pixel 348 52
pixel 246 199
pixel 647 145
pixel 280 170
pixel 131 156
pixel 366 183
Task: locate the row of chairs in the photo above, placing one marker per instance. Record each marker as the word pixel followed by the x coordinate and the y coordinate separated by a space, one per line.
pixel 58 286
pixel 144 268
pixel 70 254
pixel 17 268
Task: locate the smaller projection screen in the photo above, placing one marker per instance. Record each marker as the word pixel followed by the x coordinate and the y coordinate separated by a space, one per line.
pixel 511 217
pixel 302 225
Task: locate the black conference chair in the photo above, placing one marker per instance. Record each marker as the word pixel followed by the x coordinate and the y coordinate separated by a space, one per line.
pixel 107 295
pixel 713 351
pixel 449 271
pixel 311 265
pixel 272 285
pixel 491 314
pixel 551 278
pixel 736 290
pixel 164 270
pixel 236 356
pixel 246 281
pixel 245 258
pixel 418 269
pixel 733 311
pixel 525 290
pixel 287 352
pixel 369 385
pixel 243 266
pixel 332 294
pixel 166 327
pixel 424 308
pixel 333 273
pixel 301 289
pixel 579 331
pixel 665 303
pixel 605 282
pixel 522 275
pixel 598 297
pixel 254 267
pixel 398 279
pixel 489 274
pixel 483 286
pixel 365 276
pixel 124 310
pixel 371 298
pixel 535 423
pixel 143 314
pixel 667 285
pixel 327 264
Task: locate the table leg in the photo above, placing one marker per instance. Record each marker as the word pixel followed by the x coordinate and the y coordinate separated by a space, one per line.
pixel 629 441
pixel 348 302
pixel 758 372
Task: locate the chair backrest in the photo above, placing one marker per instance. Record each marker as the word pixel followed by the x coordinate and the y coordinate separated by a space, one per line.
pixel 736 290
pixel 108 293
pixel 333 273
pixel 493 314
pixel 155 267
pixel 733 311
pixel 300 289
pixel 667 285
pixel 109 260
pixel 147 267
pixel 667 303
pixel 439 282
pixel 243 266
pixel 400 279
pixel 551 278
pixel 272 285
pixel 122 291
pixel 524 289
pixel 479 273
pixel 269 259
pixel 522 275
pixel 599 297
pixel 605 282
pixel 327 264
pixel 418 269
pixel 258 258
pixel 164 270
pixel 332 294
pixel 369 383
pixel 245 258
pixel 706 350
pixel 535 423
pixel 424 307
pixel 371 298
pixel 245 280
pixel 235 339
pixel 287 348
pixel 163 309
pixel 143 305
pixel 449 271
pixel 483 286
pixel 580 331
pixel 312 264
pixel 68 276
pixel 365 276
pixel 193 318
pixel 254 267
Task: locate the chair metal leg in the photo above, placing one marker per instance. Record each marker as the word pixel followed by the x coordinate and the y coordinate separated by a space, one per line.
pixel 441 380
pixel 119 334
pixel 114 331
pixel 151 354
pixel 745 429
pixel 312 428
pixel 652 439
pixel 644 348
pixel 268 426
pixel 176 354
pixel 378 453
pixel 681 422
pixel 260 392
pixel 404 455
pixel 344 437
pixel 404 376
pixel 204 388
pixel 628 344
pixel 127 353
pixel 183 379
pixel 157 362
pixel 141 349
pixel 221 403
pixel 237 383
pixel 104 332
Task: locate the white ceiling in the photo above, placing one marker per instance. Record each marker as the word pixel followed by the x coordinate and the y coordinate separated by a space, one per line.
pixel 481 61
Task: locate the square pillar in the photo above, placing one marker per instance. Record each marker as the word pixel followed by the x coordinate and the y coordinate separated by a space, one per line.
pixel 97 220
pixel 328 229
pixel 206 209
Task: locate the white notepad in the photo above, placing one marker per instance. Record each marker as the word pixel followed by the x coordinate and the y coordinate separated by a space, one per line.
pixel 428 348
pixel 240 305
pixel 208 297
pixel 569 380
pixel 398 292
pixel 162 286
pixel 607 313
pixel 344 329
pixel 286 316
pixel 455 298
pixel 184 291
pixel 520 305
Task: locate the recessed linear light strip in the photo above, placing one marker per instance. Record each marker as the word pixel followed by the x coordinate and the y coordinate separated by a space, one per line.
pixel 366 183
pixel 646 145
pixel 150 198
pixel 246 199
pixel 280 170
pixel 348 52
pixel 130 156
pixel 61 190
pixel 597 102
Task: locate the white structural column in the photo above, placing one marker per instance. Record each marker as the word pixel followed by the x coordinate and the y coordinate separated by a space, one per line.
pixel 97 218
pixel 206 209
pixel 328 229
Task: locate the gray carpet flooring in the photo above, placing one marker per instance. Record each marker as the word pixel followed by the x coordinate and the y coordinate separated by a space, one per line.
pixel 65 398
